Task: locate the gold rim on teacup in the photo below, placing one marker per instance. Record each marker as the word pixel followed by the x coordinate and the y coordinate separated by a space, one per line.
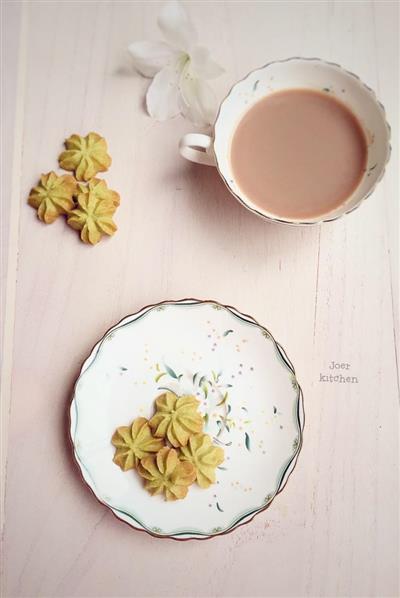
pixel 291 73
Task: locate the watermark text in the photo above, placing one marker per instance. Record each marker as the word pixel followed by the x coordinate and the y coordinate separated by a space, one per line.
pixel 338 374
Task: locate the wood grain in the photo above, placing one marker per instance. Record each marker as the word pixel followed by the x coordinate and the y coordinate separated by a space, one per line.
pixel 327 293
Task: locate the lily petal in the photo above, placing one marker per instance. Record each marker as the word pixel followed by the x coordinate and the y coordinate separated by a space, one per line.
pixel 198 101
pixel 176 26
pixel 203 65
pixel 162 99
pixel 150 57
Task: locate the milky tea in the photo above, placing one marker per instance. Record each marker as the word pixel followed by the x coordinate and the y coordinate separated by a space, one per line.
pixel 298 153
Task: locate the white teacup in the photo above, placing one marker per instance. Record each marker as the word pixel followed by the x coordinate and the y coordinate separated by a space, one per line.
pixel 311 73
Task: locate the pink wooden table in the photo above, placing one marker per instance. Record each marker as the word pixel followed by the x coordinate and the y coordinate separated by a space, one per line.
pixel 328 294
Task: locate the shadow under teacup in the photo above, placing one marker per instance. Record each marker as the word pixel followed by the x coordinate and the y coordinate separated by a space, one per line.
pixel 351 99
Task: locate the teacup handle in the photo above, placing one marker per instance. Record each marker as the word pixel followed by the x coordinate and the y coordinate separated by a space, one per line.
pixel 197 147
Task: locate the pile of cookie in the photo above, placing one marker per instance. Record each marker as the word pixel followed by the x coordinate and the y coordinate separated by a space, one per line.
pixel 86 201
pixel 169 451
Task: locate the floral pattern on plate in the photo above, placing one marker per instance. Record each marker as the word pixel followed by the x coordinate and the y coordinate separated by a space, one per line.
pixel 249 398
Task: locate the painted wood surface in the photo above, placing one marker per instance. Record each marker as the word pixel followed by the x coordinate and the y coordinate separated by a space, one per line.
pixel 327 294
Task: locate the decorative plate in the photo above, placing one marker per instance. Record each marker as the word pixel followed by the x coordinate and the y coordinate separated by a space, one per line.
pixel 249 397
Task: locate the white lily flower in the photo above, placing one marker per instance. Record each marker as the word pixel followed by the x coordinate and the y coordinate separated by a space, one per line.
pixel 180 69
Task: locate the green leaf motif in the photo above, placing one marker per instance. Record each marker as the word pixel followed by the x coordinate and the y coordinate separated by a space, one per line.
pixel 247 441
pixel 171 372
pixel 227 332
pixel 159 376
pixel 167 389
pixel 219 508
pixel 205 390
pixel 223 400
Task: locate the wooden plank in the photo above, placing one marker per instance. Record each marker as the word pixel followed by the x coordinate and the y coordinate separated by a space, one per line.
pixel 326 293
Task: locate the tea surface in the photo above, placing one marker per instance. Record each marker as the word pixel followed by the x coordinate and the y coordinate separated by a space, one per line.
pixel 298 153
